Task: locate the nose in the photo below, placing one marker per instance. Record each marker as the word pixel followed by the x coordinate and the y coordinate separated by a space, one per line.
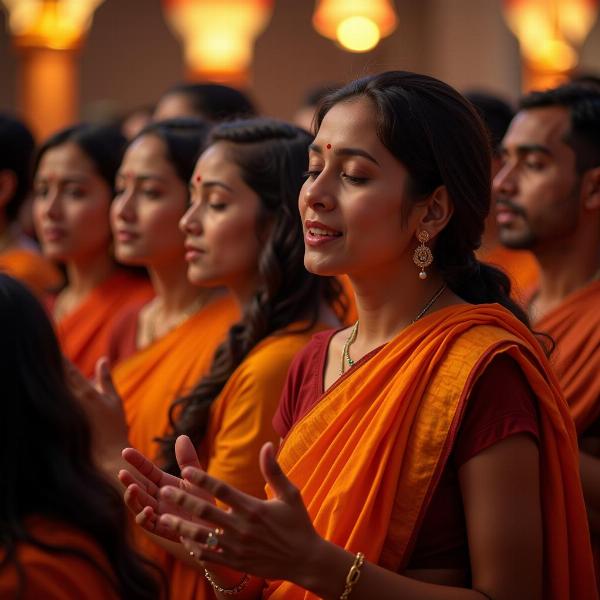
pixel 504 183
pixel 53 204
pixel 317 195
pixel 124 206
pixel 191 222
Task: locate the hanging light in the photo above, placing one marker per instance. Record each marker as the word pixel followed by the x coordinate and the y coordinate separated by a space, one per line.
pixel 218 35
pixel 357 25
pixel 550 32
pixel 53 24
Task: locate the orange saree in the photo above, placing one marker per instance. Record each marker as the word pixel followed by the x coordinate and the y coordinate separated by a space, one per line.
pixel 575 327
pixel 38 273
pixel 85 333
pixel 384 431
pixel 57 576
pixel 151 379
pixel 240 423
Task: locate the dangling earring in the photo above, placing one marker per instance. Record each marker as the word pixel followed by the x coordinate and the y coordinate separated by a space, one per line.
pixel 422 256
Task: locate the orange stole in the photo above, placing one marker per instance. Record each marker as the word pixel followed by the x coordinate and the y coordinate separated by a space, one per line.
pixel 241 422
pixel 368 456
pixel 57 576
pixel 520 266
pixel 37 272
pixel 85 332
pixel 151 379
pixel 575 327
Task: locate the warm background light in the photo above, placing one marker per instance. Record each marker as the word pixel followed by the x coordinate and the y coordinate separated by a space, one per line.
pixel 550 33
pixel 218 35
pixel 55 24
pixel 357 25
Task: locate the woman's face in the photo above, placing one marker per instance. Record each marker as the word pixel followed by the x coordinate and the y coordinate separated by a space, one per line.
pixel 71 205
pixel 351 203
pixel 220 226
pixel 150 199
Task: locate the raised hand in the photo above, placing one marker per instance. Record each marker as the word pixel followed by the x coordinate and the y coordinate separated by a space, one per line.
pixel 266 538
pixel 104 409
pixel 144 480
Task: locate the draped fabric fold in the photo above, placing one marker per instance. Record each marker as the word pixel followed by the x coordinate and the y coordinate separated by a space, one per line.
pixel 85 333
pixel 367 457
pixel 38 273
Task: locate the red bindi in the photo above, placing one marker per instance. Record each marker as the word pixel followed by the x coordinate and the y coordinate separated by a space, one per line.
pixel 328 146
pixel 198 177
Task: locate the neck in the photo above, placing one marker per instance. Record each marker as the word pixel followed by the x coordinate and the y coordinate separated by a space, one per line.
pixel 244 291
pixel 87 273
pixel 567 265
pixel 387 304
pixel 173 289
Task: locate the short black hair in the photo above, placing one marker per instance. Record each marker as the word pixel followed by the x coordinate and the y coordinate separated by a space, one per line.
pixel 583 102
pixel 16 154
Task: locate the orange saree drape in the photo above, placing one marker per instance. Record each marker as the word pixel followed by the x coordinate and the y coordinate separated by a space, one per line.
pixel 57 576
pixel 240 423
pixel 38 273
pixel 368 456
pixel 150 380
pixel 85 333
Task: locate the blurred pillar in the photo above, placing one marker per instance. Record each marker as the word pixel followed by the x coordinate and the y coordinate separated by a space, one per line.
pixel 47 35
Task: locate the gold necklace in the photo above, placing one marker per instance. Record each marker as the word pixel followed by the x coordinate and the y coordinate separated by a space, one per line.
pixel 354 332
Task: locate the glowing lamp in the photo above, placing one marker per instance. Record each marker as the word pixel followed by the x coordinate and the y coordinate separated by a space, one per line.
pixel 218 35
pixel 356 25
pixel 53 24
pixel 550 32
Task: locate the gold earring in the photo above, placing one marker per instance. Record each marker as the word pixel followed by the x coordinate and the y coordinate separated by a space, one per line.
pixel 423 256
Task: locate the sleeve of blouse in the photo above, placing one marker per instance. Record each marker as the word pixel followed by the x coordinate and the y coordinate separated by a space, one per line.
pixel 501 404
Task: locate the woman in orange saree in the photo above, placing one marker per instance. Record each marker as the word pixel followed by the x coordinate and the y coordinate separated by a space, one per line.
pixel 427 452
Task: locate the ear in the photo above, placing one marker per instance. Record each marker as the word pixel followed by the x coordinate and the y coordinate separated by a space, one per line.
pixel 436 211
pixel 8 186
pixel 590 189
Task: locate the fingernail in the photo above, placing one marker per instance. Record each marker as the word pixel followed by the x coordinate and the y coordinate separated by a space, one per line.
pixel 168 493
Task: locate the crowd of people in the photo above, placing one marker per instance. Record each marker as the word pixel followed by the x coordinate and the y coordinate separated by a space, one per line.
pixel 353 357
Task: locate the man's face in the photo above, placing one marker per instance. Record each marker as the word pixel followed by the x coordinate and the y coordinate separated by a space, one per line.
pixel 537 188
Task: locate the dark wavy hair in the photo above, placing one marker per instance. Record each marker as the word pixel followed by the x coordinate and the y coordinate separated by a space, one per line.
pixel 440 139
pixel 16 155
pixel 46 457
pixel 184 138
pixel 104 145
pixel 272 157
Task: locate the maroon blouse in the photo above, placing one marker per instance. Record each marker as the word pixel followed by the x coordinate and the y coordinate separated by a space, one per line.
pixel 501 404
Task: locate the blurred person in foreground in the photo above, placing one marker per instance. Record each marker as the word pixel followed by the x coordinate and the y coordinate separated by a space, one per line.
pixel 548 202
pixel 62 525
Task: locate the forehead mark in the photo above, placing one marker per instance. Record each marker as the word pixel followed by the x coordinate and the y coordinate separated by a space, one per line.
pixel 328 146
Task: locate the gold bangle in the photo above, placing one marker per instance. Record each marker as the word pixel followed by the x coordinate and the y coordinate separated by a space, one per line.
pixel 353 575
pixel 227 591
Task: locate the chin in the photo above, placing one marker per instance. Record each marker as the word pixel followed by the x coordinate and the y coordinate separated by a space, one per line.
pixel 517 240
pixel 323 268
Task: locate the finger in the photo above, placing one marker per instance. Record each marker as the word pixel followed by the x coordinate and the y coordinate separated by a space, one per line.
pixel 203 554
pixel 185 453
pixel 197 506
pixel 219 489
pixel 140 497
pixel 128 478
pixel 104 380
pixel 284 489
pixel 148 469
pixel 185 529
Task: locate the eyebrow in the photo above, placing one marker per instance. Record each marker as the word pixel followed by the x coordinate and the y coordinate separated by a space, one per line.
pixel 208 184
pixel 527 148
pixel 346 152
